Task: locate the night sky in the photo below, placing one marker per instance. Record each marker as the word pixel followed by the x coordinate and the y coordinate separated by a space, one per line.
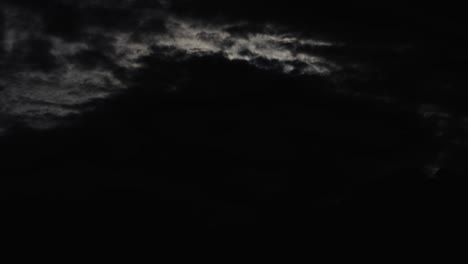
pixel 232 115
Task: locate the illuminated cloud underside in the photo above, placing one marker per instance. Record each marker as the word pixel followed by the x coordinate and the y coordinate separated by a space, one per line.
pixel 44 95
pixel 198 39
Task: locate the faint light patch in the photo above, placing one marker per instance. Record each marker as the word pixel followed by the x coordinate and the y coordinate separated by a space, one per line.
pixel 11 38
pixel 432 171
pixel 55 94
pixel 19 26
pixel 128 51
pixel 61 49
pixel 173 89
pixel 432 111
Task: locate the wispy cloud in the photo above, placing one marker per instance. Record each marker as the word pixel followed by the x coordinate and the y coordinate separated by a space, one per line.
pixel 33 93
pixel 277 48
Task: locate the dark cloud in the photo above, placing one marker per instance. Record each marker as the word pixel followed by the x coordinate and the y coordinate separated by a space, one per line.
pixel 91 59
pixel 2 33
pixel 58 55
pixel 33 53
pixel 68 19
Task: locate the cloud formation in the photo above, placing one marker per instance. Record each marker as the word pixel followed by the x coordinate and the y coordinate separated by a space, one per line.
pixel 276 48
pixel 52 71
pixel 61 55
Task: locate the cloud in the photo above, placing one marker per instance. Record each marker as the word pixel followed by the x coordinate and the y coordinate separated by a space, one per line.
pixel 64 54
pixel 70 53
pixel 198 39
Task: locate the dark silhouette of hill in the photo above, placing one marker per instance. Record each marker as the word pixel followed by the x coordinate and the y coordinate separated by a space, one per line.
pixel 231 146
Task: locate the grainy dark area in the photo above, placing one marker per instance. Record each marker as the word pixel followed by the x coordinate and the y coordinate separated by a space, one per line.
pixel 293 116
